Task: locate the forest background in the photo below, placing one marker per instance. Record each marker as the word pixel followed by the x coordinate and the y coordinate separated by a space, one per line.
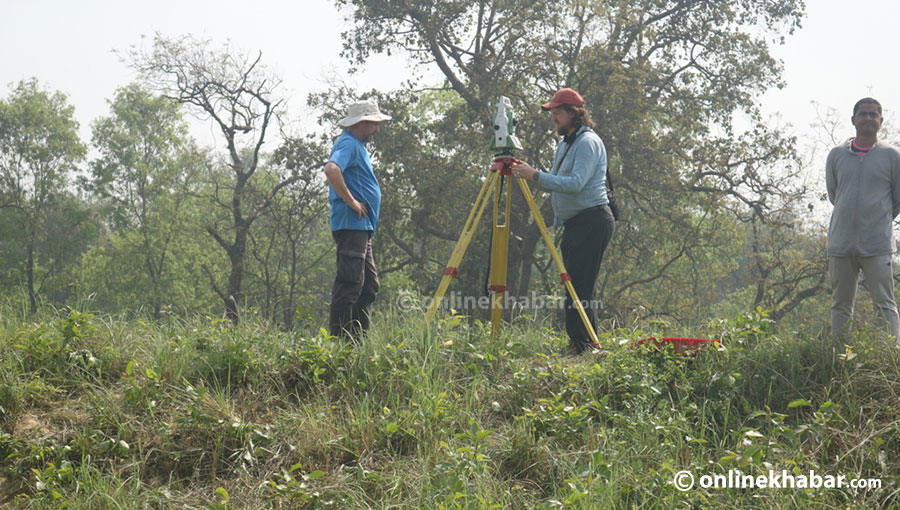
pixel 723 210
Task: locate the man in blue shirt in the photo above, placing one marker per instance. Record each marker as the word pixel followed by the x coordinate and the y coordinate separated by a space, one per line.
pixel 355 199
pixel 577 186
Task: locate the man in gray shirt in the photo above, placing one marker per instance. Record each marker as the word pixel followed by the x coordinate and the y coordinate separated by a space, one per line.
pixel 863 181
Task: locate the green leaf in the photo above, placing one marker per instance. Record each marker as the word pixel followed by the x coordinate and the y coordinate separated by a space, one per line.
pixel 800 402
pixel 827 406
pixel 222 494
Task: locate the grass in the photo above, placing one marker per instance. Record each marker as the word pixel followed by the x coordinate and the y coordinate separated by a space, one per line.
pixel 97 412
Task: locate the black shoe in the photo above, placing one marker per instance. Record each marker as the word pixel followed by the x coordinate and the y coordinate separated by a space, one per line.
pixel 576 349
pixel 342 324
pixel 572 352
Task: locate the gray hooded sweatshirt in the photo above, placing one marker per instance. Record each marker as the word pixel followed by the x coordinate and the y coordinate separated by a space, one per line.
pixel 865 191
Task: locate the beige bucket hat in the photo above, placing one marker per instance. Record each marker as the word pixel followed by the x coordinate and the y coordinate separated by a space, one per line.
pixel 363 110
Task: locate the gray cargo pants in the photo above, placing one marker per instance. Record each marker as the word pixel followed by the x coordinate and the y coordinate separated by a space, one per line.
pixel 878 280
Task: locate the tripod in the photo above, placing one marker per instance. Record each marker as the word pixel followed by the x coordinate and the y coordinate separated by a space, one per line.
pixel 500 177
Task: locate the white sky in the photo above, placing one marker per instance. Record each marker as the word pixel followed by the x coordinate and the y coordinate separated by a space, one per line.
pixel 68 45
pixel 842 52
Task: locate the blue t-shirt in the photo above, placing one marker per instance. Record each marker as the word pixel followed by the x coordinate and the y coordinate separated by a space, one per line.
pixel 350 155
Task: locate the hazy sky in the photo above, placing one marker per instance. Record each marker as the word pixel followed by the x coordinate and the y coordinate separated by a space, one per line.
pixel 842 52
pixel 68 44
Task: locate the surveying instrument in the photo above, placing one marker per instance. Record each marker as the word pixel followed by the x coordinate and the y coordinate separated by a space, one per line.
pixel 500 177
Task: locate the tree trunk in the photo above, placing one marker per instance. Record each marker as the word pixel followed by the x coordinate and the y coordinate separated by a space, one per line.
pixel 529 246
pixel 798 299
pixel 289 309
pixel 154 284
pixel 29 272
pixel 235 279
pixel 530 242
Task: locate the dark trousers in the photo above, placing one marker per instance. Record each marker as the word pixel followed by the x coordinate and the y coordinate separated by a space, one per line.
pixel 355 284
pixel 584 240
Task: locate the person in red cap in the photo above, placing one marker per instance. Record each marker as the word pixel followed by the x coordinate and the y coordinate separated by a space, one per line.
pixel 577 186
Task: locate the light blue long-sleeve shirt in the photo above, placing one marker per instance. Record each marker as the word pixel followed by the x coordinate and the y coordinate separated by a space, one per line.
pixel 578 182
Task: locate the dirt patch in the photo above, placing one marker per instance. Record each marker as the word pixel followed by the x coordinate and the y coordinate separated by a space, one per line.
pixel 29 426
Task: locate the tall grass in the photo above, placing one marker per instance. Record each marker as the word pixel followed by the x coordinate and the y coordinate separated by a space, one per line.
pixel 101 412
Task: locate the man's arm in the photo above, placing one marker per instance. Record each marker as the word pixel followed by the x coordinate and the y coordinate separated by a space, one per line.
pixel 336 179
pixel 582 169
pixel 585 157
pixel 895 183
pixel 831 177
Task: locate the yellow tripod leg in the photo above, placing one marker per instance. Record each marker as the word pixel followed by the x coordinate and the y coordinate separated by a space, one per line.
pixel 536 213
pixel 463 243
pixel 499 254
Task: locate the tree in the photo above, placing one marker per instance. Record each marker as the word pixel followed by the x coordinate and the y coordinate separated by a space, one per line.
pixel 292 238
pixel 147 168
pixel 239 96
pixel 788 265
pixel 39 151
pixel 114 270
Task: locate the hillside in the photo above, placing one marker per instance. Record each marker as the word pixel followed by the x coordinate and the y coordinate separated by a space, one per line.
pixel 105 413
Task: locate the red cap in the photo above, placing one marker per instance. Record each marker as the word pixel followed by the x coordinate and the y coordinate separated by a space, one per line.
pixel 564 96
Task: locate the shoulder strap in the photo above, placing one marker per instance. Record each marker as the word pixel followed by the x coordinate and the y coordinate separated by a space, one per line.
pixel 568 146
pixel 609 182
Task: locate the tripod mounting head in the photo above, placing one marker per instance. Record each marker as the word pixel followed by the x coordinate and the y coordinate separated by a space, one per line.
pixel 504 141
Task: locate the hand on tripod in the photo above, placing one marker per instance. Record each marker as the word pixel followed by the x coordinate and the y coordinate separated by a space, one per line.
pixel 523 170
